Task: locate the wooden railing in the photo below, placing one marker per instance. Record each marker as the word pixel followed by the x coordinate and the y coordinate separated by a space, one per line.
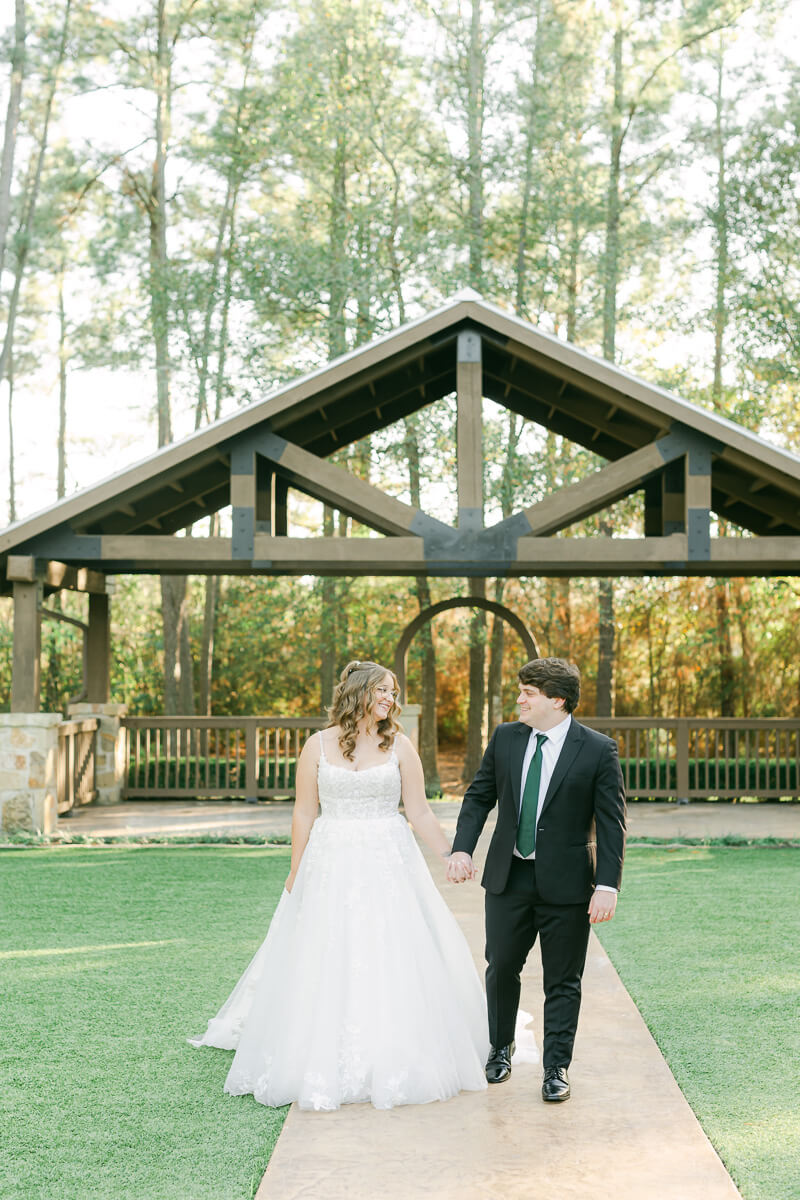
pixel 76 763
pixel 250 757
pixel 695 758
pixel 662 758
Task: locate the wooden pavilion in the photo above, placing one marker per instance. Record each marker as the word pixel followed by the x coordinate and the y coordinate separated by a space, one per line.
pixel 688 462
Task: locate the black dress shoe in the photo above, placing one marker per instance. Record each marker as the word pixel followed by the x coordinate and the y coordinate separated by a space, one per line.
pixel 498 1064
pixel 556 1084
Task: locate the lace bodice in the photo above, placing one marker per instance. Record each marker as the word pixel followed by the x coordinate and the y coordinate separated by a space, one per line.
pixel 354 795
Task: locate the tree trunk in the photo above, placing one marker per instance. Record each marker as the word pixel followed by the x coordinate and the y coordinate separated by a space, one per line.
pixel 206 672
pixel 337 225
pixel 31 199
pixel 605 647
pixel 159 264
pixel 531 141
pixel 720 235
pixel 61 484
pixel 327 585
pixel 611 257
pixel 476 63
pixel 477 662
pixel 178 684
pixel 741 591
pixel 428 737
pixel 726 665
pixel 497 636
pixel 494 685
pixel 12 122
pixel 12 485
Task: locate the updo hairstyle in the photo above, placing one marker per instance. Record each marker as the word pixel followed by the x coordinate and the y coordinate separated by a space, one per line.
pixel 353 697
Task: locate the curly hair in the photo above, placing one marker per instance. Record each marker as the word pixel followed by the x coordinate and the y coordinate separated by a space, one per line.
pixel 353 697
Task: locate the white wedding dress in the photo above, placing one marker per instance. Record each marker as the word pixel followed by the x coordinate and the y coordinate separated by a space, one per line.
pixel 364 988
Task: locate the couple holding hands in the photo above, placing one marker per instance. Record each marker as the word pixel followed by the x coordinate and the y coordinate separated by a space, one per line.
pixel 364 988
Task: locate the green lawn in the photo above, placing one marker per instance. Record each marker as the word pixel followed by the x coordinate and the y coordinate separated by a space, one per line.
pixel 706 941
pixel 109 959
pixel 111 956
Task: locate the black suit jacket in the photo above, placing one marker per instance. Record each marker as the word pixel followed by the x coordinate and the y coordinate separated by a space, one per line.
pixel 580 835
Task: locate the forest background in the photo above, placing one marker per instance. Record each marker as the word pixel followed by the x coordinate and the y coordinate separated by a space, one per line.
pixel 200 199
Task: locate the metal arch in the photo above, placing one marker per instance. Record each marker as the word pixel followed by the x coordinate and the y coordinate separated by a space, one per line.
pixel 427 614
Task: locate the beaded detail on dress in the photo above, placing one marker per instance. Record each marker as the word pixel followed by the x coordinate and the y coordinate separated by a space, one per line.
pixel 354 795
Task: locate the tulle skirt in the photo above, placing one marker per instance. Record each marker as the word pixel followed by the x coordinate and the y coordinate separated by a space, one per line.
pixel 364 988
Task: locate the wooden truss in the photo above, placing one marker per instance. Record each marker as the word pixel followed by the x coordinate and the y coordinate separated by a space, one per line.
pixel 688 463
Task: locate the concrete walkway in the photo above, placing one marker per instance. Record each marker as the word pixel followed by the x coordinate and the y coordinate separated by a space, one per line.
pixel 145 818
pixel 627 1131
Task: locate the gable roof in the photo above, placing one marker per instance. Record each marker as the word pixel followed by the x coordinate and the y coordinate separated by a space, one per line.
pixel 546 380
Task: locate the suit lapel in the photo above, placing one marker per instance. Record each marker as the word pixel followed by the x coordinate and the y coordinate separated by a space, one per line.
pixel 572 744
pixel 516 758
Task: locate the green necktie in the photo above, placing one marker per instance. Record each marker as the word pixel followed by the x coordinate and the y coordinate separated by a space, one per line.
pixel 526 830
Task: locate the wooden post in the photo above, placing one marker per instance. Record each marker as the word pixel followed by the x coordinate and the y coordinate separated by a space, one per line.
pixel 251 761
pixel 698 503
pixel 280 514
pixel 469 391
pixel 26 663
pixel 682 760
pixel 98 651
pixel 654 507
pixel 264 476
pixel 243 501
pixel 674 497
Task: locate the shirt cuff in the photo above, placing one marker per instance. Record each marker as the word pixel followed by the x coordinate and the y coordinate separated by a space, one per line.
pixel 603 887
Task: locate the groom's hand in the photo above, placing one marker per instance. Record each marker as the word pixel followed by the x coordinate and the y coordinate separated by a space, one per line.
pixel 602 906
pixel 460 867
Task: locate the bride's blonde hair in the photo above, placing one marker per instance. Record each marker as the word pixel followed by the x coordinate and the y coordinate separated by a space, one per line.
pixel 353 697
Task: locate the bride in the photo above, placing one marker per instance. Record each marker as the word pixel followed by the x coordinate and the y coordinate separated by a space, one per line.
pixel 364 988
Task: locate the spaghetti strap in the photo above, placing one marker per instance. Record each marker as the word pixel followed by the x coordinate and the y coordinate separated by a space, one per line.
pixel 323 755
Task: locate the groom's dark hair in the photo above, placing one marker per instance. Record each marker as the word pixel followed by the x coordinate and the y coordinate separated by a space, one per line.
pixel 554 677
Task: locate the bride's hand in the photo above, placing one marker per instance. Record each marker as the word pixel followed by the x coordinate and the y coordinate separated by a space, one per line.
pixel 290 881
pixel 460 867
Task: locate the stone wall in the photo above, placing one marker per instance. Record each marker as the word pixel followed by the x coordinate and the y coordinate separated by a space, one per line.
pixel 28 750
pixel 110 746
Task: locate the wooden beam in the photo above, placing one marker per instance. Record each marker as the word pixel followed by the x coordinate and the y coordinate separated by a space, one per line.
pixel 26 661
pixel 98 651
pixel 26 568
pixel 757 555
pixel 480 553
pixel 335 486
pixel 782 507
pixel 469 430
pixel 116 547
pixel 311 553
pixel 601 489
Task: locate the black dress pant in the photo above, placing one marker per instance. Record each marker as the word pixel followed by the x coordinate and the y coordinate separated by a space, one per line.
pixel 514 918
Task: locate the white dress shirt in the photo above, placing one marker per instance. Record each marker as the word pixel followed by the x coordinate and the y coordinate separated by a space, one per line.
pixel 551 749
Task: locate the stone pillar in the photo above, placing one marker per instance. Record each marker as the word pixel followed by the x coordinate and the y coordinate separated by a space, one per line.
pixel 111 745
pixel 28 753
pixel 409 720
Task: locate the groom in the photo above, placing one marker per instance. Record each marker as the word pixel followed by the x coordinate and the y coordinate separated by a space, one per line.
pixel 554 864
